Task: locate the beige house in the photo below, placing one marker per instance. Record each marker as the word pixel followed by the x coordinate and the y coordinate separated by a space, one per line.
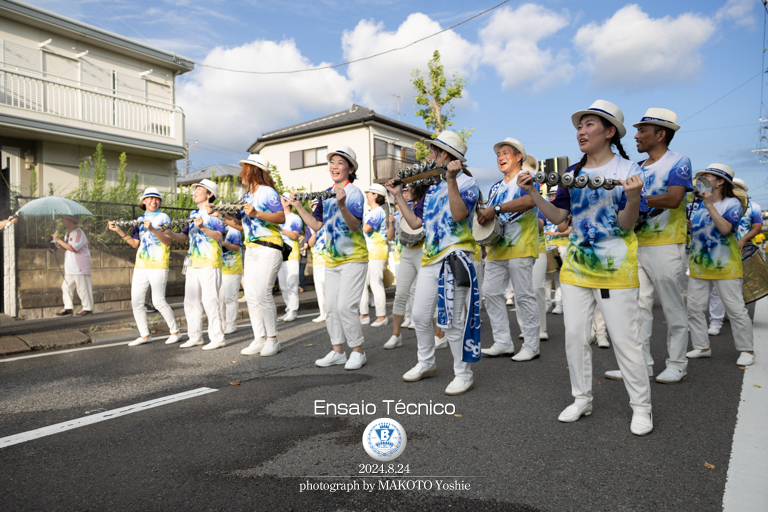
pixel 66 86
pixel 382 145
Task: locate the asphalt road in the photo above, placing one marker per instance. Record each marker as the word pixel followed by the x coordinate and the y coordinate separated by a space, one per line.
pixel 251 446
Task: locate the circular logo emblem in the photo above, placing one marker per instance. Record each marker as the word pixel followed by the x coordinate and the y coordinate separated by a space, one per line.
pixel 384 439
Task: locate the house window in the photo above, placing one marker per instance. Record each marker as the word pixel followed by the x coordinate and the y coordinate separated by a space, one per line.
pixel 308 157
pixel 379 148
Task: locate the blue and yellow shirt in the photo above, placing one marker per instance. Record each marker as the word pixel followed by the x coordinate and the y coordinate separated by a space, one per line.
pixel 292 223
pixel 714 256
pixel 232 260
pixel 752 216
pixel 318 249
pixel 152 253
pixel 342 245
pixel 204 251
pixel 520 238
pixel 376 239
pixel 265 199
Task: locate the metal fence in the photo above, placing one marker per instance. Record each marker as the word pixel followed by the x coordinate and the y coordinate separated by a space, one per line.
pixel 36 231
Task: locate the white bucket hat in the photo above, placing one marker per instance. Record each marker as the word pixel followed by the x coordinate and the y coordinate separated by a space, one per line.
pixel 606 110
pixel 721 170
pixel 256 160
pixel 660 117
pixel 509 141
pixel 209 185
pixel 552 190
pixel 346 152
pixel 378 189
pixel 530 164
pixel 450 142
pixel 151 192
pixel 740 183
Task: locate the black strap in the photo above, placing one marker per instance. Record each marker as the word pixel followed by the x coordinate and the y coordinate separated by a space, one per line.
pixel 270 245
pixel 605 294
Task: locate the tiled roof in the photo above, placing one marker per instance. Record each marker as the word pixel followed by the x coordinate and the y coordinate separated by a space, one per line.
pixel 218 170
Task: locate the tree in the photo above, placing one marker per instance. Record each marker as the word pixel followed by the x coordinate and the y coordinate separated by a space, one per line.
pixel 434 93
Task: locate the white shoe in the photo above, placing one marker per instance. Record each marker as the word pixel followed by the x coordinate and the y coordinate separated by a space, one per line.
pixel 713 331
pixel 412 325
pixel 745 359
pixel 290 317
pixel 231 330
pixel 270 348
pixel 254 348
pixel 191 343
pixel 498 350
pixel 140 341
pixel 642 423
pixel 614 374
pixel 441 342
pixel 407 321
pixel 365 321
pixel 525 354
pixel 173 338
pixel 394 342
pixel 558 310
pixel 379 324
pixel 459 386
pixel 280 318
pixel 573 412
pixel 672 376
pixel 510 302
pixel 602 342
pixel 319 319
pixel 214 345
pixel 543 336
pixel 698 354
pixel 418 372
pixel 356 361
pixel 332 358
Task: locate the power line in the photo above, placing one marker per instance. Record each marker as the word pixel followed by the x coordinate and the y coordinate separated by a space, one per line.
pixel 332 66
pixel 721 97
pixel 123 22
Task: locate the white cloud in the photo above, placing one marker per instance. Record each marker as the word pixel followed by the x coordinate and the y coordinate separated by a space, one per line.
pixel 635 50
pixel 740 11
pixel 510 44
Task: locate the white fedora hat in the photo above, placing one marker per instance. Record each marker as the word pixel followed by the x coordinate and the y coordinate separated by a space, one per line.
pixel 151 192
pixel 530 164
pixel 660 117
pixel 740 183
pixel 257 160
pixel 378 189
pixel 346 152
pixel 721 170
pixel 450 142
pixel 606 110
pixel 209 185
pixel 509 141
pixel 552 190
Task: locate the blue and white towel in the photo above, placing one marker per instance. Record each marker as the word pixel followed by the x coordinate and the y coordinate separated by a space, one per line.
pixel 445 293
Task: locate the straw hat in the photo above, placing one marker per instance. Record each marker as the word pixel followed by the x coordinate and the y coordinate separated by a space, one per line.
pixel 660 117
pixel 346 152
pixel 256 160
pixel 530 163
pixel 740 183
pixel 552 190
pixel 721 170
pixel 209 186
pixel 509 141
pixel 378 189
pixel 606 110
pixel 151 192
pixel 450 142
pixel 73 218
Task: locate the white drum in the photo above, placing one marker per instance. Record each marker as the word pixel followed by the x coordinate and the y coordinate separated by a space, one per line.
pixel 408 236
pixel 489 234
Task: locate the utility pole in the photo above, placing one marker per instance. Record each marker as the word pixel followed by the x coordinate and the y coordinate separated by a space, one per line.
pixel 186 152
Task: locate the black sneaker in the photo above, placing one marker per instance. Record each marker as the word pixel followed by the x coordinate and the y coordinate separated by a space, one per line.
pixel 150 308
pixel 64 312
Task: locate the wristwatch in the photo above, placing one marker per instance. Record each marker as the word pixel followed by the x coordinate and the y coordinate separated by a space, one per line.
pixel 497 209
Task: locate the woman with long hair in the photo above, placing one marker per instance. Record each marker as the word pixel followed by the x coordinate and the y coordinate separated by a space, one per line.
pixel 600 266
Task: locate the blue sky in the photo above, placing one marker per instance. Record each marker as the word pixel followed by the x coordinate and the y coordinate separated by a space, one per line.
pixel 528 65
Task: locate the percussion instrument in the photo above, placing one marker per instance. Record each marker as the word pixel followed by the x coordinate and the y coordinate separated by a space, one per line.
pixel 425 173
pixel 701 185
pixel 230 208
pixel 578 181
pixel 554 261
pixel 489 234
pixel 755 281
pixel 311 196
pixel 408 236
pixel 167 225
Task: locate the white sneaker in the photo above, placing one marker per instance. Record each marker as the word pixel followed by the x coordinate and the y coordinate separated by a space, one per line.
pixel 671 376
pixel 412 325
pixel 382 322
pixel 394 342
pixel 319 319
pixel 173 338
pixel 231 330
pixel 497 350
pixel 365 321
pixel 270 348
pixel 441 342
pixel 745 359
pixel 418 372
pixel 525 354
pixel 140 341
pixel 332 358
pixel 254 348
pixel 214 345
pixel 698 354
pixel 290 317
pixel 510 302
pixel 459 386
pixel 614 374
pixel 573 412
pixel 543 336
pixel 406 322
pixel 191 343
pixel 356 361
pixel 642 423
pixel 602 342
pixel 713 330
pixel 558 310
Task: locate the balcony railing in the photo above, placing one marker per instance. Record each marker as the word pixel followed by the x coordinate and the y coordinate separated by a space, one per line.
pixel 26 91
pixel 385 168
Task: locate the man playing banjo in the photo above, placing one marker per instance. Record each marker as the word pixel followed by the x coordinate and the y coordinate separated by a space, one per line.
pixel 512 256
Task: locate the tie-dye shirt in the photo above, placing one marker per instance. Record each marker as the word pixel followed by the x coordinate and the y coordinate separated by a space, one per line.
pixel 318 249
pixel 232 260
pixel 670 227
pixel 152 253
pixel 600 254
pixel 265 199
pixel 714 256
pixel 554 240
pixel 292 223
pixel 342 245
pixel 520 238
pixel 443 234
pixel 204 251
pixel 751 217
pixel 376 239
pixel 542 242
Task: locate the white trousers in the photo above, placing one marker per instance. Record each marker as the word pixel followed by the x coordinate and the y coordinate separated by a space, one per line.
pixel 424 304
pixel 598 324
pixel 156 279
pixel 659 268
pixel 343 286
pixel 480 272
pixel 407 272
pixel 201 292
pixel 620 312
pixel 288 276
pixel 228 295
pixel 716 309
pixel 260 267
pixel 554 277
pixel 539 278
pixel 375 278
pixel 730 291
pixel 520 272
pixel 84 289
pixel 318 276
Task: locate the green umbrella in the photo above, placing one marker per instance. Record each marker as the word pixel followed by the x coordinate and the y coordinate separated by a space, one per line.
pixel 52 206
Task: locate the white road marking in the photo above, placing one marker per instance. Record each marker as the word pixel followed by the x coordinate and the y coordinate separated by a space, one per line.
pixel 103 416
pixel 745 488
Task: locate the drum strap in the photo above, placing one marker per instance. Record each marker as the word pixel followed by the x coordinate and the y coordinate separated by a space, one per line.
pixel 445 291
